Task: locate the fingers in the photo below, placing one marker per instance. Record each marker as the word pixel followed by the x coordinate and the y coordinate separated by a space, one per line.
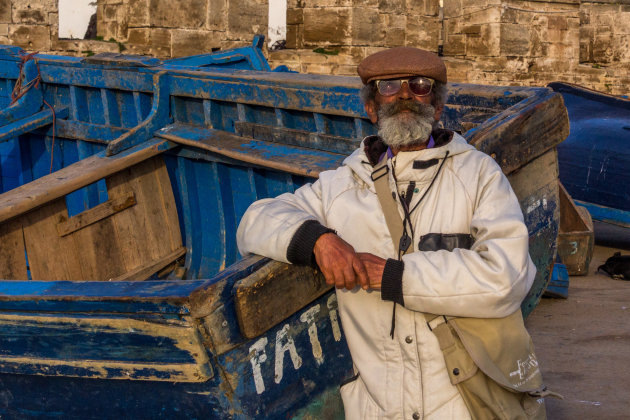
pixel 374 267
pixel 341 265
pixel 361 273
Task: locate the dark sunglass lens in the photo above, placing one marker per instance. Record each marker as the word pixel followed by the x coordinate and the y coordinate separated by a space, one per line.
pixel 388 87
pixel 420 86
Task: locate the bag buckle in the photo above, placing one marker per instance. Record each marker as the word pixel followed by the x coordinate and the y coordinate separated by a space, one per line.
pixel 436 322
pixel 380 172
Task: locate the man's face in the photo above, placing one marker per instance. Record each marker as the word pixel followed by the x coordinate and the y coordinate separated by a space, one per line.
pixel 404 118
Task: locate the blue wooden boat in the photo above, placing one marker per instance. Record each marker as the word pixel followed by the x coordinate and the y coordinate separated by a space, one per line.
pixel 125 295
pixel 595 158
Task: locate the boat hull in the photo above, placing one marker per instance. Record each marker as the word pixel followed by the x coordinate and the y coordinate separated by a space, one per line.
pixel 185 342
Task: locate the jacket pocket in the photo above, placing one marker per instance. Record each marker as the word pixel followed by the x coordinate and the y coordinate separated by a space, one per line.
pixel 357 402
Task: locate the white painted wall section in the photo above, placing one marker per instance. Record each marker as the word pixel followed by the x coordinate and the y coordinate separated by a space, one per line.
pixel 74 17
pixel 277 21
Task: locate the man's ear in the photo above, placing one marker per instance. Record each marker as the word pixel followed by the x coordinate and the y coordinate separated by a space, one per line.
pixel 438 112
pixel 370 109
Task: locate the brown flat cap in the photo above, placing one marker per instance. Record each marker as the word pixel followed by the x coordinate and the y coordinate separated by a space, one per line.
pixel 402 62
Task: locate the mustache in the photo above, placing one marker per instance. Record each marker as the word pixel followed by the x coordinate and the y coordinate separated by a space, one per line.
pixel 391 109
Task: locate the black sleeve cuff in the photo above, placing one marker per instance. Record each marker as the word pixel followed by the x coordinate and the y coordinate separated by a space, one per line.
pixel 300 250
pixel 391 283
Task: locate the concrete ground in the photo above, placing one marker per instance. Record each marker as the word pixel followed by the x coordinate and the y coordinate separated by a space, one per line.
pixel 583 342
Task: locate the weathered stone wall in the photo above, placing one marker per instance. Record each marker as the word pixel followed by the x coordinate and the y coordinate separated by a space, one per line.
pixel 161 28
pixel 525 42
pixel 484 41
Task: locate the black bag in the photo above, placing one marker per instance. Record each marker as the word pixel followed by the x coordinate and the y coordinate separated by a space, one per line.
pixel 617 266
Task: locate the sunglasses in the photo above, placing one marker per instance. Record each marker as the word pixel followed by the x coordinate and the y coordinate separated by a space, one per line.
pixel 419 86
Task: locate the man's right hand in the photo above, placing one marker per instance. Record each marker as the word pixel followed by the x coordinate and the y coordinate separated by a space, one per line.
pixel 339 263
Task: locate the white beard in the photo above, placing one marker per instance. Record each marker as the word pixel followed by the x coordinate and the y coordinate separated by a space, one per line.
pixel 399 129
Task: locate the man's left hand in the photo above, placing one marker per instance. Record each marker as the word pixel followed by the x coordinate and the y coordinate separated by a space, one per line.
pixel 375 267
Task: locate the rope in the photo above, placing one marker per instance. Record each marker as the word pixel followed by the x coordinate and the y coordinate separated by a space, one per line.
pixel 20 89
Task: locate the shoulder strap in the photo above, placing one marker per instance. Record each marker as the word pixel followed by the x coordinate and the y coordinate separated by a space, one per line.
pixel 392 217
pixel 388 204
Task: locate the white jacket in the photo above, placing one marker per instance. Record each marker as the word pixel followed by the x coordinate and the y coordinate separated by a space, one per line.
pixel 405 377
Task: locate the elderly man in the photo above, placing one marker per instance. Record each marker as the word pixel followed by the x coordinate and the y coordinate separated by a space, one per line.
pixel 462 220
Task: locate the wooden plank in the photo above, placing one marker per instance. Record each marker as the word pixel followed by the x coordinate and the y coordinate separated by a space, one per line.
pixel 607 214
pixel 149 230
pixel 576 236
pixel 99 346
pixel 536 187
pixel 12 258
pixel 101 255
pixel 523 132
pixel 257 303
pixel 301 138
pixel 145 271
pixel 73 177
pixel 32 122
pixel 50 256
pixel 79 130
pixel 291 159
pixel 95 214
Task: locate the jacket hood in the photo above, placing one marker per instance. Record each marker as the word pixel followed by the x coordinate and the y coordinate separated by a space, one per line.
pixel 362 160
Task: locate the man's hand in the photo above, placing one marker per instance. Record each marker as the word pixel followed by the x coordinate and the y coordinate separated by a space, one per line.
pixel 375 267
pixel 339 263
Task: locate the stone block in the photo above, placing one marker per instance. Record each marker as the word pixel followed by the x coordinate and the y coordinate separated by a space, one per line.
pixel 458 69
pixel 5 11
pixel 190 42
pixel 30 37
pixel 110 12
pixel 471 30
pixel 286 56
pixel 621 23
pixel 230 43
pixel 310 68
pixel 326 26
pixel 586 51
pixel 295 16
pixel 139 36
pixel 217 15
pixel 563 51
pixel 452 8
pixel 585 16
pixel 455 45
pixel 179 14
pixel 4 29
pixel 294 36
pixel 451 26
pixel 602 19
pixel 557 36
pixel 602 49
pixel 30 16
pixel 432 7
pixel 367 27
pixel 510 15
pixel 395 37
pixel 558 22
pixel 107 30
pixel 246 18
pixel 160 38
pixel 392 6
pixel 423 33
pixel 488 43
pixel 138 11
pixel 310 4
pixel 423 7
pixel 621 50
pixel 481 15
